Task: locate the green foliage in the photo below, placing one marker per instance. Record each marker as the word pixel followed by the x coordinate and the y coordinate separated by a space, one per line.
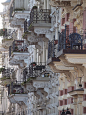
pixel 4 78
pixel 1 69
pixel 34 7
pixel 6 39
pixel 30 27
pixel 2 31
pixel 24 35
pixel 28 80
pixel 19 9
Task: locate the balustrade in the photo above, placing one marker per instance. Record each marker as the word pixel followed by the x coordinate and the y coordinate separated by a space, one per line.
pixel 37 16
pixel 18 46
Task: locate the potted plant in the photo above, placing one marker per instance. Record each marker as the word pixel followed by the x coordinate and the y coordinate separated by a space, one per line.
pixel 33 63
pixel 34 7
pixel 2 69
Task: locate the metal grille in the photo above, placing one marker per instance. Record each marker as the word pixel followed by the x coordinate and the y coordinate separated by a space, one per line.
pixel 34 70
pixel 52 46
pixel 69 40
pixel 16 88
pixel 18 46
pixel 7 72
pixel 39 16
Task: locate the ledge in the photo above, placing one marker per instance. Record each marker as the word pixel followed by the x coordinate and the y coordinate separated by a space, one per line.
pixel 70 51
pixel 50 60
pixel 76 92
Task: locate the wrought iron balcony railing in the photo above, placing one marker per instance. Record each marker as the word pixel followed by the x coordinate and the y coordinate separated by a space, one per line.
pixel 34 70
pixel 6 73
pixel 7 34
pixel 3 32
pixel 37 16
pixel 52 46
pixel 15 88
pixel 18 46
pixel 70 40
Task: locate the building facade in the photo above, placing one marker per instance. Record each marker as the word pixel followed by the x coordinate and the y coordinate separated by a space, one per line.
pixel 31 86
pixel 43 57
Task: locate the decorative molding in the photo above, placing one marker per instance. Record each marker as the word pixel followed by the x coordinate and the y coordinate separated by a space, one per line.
pixel 41 30
pixel 42 84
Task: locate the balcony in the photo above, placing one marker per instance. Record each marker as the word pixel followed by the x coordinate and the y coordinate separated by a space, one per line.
pixel 71 51
pixel 18 52
pixel 19 9
pixel 16 93
pixel 35 69
pixel 52 47
pixel 61 3
pixel 6 76
pixel 8 36
pixel 35 77
pixel 3 32
pixel 39 19
pixel 72 46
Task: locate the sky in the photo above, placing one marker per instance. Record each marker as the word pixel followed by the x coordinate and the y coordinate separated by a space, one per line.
pixel 1 9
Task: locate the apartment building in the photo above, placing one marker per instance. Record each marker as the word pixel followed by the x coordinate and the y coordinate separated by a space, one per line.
pixel 70 55
pixel 31 87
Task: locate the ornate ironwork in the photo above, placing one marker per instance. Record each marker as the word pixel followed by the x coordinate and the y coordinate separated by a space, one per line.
pixel 18 46
pixel 16 88
pixel 52 45
pixel 7 72
pixel 34 70
pixel 75 41
pixel 69 41
pixel 39 16
pixel 25 26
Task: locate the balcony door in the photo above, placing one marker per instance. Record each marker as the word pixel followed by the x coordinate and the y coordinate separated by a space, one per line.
pixel 19 4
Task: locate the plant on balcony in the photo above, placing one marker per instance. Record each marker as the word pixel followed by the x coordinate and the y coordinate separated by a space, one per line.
pixel 46 74
pixel 24 35
pixel 28 80
pixel 29 28
pixel 34 7
pixel 33 63
pixel 6 39
pixel 19 9
pixel 3 32
pixel 4 78
pixel 16 49
pixel 2 69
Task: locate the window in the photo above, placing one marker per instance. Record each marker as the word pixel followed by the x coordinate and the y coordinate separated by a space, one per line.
pixel 61 92
pixel 85 85
pixel 84 97
pixel 68 15
pixel 84 109
pixel 60 102
pixel 63 21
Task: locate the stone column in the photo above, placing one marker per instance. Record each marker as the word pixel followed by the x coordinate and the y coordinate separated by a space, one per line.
pixel 80 107
pixel 35 55
pixel 39 59
pixel 48 6
pixel 44 53
pixel 75 105
pixel 44 112
pixel 56 33
pixel 45 4
pixel 57 28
